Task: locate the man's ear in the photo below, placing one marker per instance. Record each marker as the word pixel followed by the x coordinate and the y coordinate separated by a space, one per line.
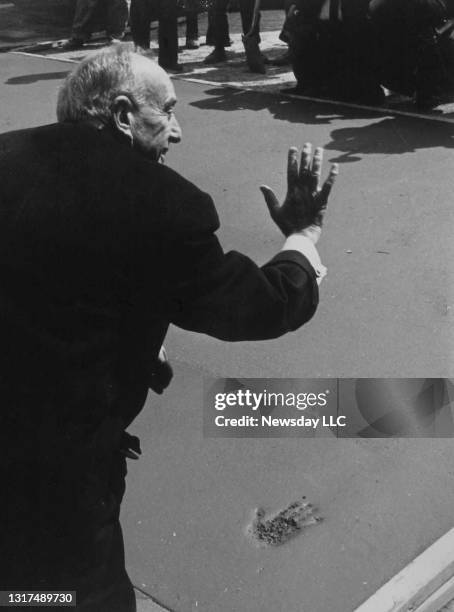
pixel 122 112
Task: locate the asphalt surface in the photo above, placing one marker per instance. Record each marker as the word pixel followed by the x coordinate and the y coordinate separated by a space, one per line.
pixel 385 311
pixel 385 306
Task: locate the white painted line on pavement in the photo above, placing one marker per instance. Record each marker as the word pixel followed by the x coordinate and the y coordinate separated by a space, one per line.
pixel 411 587
pixel 376 109
pixel 62 59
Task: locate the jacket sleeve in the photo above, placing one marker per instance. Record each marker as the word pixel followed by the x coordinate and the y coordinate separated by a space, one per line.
pixel 226 295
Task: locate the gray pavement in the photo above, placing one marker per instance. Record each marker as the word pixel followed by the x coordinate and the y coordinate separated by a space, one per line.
pixel 386 311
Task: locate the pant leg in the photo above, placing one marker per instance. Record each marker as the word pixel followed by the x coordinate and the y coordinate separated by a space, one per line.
pixel 115 593
pixel 140 21
pixel 433 72
pixel 168 33
pixel 192 25
pixel 395 43
pixel 220 24
pixel 303 49
pixel 192 22
pixel 117 17
pixel 60 530
pixel 284 35
pixel 409 59
pixel 247 14
pixel 83 18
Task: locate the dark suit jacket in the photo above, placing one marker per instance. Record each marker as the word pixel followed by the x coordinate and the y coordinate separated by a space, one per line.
pixel 100 250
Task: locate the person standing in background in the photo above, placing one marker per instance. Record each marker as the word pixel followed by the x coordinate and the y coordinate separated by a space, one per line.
pixel 115 17
pixel 191 8
pixel 416 47
pixel 142 13
pixel 250 22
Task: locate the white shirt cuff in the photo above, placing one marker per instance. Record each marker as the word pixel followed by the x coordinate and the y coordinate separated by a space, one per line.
pixel 297 242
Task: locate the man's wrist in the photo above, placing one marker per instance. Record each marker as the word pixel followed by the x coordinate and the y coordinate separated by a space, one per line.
pixel 304 243
pixel 313 232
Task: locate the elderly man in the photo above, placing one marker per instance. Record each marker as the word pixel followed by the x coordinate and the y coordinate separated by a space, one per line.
pixel 102 247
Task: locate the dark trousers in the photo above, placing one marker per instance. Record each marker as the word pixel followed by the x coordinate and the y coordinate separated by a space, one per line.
pixel 247 14
pixel 142 14
pixel 217 18
pixel 410 56
pixel 334 57
pixel 60 531
pixel 113 14
pixel 192 23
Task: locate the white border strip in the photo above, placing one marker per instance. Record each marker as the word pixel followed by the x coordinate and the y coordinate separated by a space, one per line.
pixel 440 598
pixel 424 577
pixel 38 55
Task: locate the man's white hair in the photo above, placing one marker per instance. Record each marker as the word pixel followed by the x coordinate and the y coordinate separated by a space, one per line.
pixel 91 88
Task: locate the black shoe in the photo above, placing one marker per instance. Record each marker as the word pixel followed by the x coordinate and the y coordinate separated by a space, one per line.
pixel 282 60
pixel 254 57
pixel 216 57
pixel 426 101
pixel 115 39
pixel 72 44
pixel 375 96
pixel 257 66
pixel 192 43
pixel 266 60
pixel 211 42
pixel 295 90
pixel 174 68
pixel 310 91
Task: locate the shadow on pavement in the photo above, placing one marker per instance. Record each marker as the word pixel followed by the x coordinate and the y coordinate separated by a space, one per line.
pixel 375 138
pixel 27 79
pixel 383 135
pixel 280 107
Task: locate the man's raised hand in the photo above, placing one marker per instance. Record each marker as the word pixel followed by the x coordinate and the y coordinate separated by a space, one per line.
pixel 305 203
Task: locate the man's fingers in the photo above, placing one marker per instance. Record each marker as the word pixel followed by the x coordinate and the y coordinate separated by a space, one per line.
pixel 316 169
pixel 292 166
pixel 306 154
pixel 328 184
pixel 270 198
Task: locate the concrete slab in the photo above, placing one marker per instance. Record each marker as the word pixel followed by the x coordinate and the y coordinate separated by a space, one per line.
pixel 191 499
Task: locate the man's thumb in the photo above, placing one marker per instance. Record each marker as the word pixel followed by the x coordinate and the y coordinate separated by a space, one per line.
pixel 271 201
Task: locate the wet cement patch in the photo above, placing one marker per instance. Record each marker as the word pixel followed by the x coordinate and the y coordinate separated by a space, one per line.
pixel 285 525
